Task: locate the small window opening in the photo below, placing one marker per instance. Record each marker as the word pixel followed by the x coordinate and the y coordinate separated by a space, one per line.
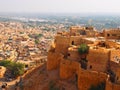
pixel 68 54
pixel 108 35
pixel 72 42
pixel 90 66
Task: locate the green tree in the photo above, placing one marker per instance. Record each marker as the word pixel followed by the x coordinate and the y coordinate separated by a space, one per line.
pixel 15 69
pixel 83 49
pixel 5 63
pixel 36 41
pixel 40 35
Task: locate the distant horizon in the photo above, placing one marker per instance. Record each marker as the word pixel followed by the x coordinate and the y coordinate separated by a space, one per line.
pixel 60 6
pixel 60 13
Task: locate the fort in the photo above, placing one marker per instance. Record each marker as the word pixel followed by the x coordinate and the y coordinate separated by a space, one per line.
pixel 101 64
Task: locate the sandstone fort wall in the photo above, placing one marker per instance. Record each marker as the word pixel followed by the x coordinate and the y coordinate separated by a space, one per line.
pixel 68 68
pixel 112 86
pixel 53 60
pixel 62 44
pixel 88 78
pixel 98 59
pixel 112 34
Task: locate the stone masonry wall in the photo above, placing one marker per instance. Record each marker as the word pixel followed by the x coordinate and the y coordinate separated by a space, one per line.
pixel 88 78
pixel 112 86
pixel 74 55
pixel 112 34
pixel 111 44
pixel 53 60
pixel 114 63
pixel 68 68
pixel 75 40
pixel 115 55
pixel 98 59
pixel 62 44
pixel 115 67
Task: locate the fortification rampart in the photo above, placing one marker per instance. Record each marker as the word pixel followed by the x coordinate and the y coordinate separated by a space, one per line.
pixel 112 34
pixel 114 64
pixel 62 44
pixel 75 40
pixel 68 68
pixel 73 54
pixel 112 86
pixel 88 78
pixel 53 61
pixel 90 33
pixel 115 55
pixel 74 29
pixel 98 59
pixel 111 44
pixel 115 68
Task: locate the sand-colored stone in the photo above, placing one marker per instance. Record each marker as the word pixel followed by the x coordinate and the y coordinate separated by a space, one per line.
pixel 62 44
pixel 87 78
pixel 112 33
pixel 2 71
pixel 98 59
pixel 112 86
pixel 53 60
pixel 68 68
pixel 63 56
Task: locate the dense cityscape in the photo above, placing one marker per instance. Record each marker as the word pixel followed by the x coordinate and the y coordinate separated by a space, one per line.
pixel 59 45
pixel 36 45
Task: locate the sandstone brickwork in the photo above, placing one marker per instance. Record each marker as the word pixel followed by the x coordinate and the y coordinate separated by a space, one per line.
pixel 112 34
pixel 102 60
pixel 75 40
pixel 115 68
pixel 53 60
pixel 111 44
pixel 115 55
pixel 112 86
pixel 88 78
pixel 2 71
pixel 62 44
pixel 68 68
pixel 73 54
pixel 98 59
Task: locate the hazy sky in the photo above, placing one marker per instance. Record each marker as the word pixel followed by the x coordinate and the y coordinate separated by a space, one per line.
pixel 58 6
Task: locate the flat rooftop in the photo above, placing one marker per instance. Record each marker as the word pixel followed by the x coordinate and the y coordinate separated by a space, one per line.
pixel 95 39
